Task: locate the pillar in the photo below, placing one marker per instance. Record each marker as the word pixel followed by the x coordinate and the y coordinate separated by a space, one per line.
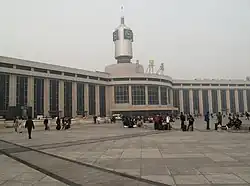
pixel 130 94
pixel 210 102
pixel 97 100
pixel 86 98
pixel 46 97
pixel 12 90
pixel 171 97
pixel 228 101
pixel 236 97
pixel 108 95
pixel 245 100
pixel 146 94
pixel 61 98
pixel 219 100
pixel 201 103
pixel 30 101
pixel 181 100
pixel 74 99
pixel 191 102
pixel 159 94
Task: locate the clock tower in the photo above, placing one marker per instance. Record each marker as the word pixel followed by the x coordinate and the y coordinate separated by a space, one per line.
pixel 123 38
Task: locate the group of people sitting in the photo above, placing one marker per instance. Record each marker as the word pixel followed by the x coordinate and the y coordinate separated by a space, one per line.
pixel 234 121
pixel 66 122
pixel 162 122
pixel 132 122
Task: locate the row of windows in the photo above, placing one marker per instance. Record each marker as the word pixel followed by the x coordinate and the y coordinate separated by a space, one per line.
pixel 41 70
pixel 214 85
pixel 121 94
pixel 232 107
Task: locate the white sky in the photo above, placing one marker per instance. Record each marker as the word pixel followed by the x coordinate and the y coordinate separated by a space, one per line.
pixel 193 38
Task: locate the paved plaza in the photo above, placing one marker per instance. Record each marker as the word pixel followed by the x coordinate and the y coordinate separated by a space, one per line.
pixel 108 154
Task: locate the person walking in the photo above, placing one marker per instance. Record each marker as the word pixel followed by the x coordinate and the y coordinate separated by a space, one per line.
pixel 219 121
pixel 190 122
pixel 182 118
pixel 29 125
pixel 207 119
pixel 46 123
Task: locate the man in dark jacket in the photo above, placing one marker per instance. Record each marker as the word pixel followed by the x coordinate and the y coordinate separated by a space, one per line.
pixel 207 119
pixel 29 125
pixel 183 119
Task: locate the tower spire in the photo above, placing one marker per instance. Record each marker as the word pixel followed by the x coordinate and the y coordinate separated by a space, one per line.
pixel 122 15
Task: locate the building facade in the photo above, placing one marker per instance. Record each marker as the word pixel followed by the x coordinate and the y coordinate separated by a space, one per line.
pixel 124 87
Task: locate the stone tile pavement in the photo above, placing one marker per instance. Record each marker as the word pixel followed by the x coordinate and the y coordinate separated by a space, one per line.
pixel 14 173
pixel 170 158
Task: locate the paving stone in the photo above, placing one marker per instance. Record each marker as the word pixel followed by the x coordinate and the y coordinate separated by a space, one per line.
pixel 159 178
pixel 183 171
pixel 190 179
pixel 245 177
pixel 224 179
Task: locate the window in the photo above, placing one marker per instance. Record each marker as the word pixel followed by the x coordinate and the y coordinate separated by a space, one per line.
pixel 153 95
pixel 241 101
pixel 205 101
pixel 40 70
pixel 196 102
pixel 4 92
pixel 22 91
pixel 92 99
pixel 69 74
pixel 38 97
pixel 176 98
pixel 121 94
pixel 215 101
pixel 186 101
pixel 223 100
pixel 138 94
pixel 6 65
pixel 68 99
pixel 20 67
pixel 102 98
pixel 164 95
pixel 232 101
pixel 55 72
pixel 80 99
pixel 54 97
pixel 81 76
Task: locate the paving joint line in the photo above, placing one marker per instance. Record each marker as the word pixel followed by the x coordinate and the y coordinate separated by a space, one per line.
pixel 93 140
pixel 76 162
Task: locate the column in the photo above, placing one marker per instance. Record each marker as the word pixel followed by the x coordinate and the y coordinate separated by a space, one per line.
pixel 146 94
pixel 130 94
pixel 61 98
pixel 30 101
pixel 97 100
pixel 245 100
pixel 74 99
pixel 109 98
pixel 171 97
pixel 228 101
pixel 201 103
pixel 167 96
pixel 181 101
pixel 219 100
pixel 46 100
pixel 191 102
pixel 12 90
pixel 86 98
pixel 210 102
pixel 159 94
pixel 236 97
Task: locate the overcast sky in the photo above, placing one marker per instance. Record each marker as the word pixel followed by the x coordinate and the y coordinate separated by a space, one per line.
pixel 193 38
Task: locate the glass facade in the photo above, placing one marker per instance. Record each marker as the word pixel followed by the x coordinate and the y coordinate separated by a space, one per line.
pixel 232 101
pixel 102 98
pixel 92 99
pixel 38 97
pixel 223 101
pixel 215 101
pixel 80 99
pixel 196 102
pixel 4 93
pixel 176 98
pixel 138 94
pixel 241 101
pixel 54 97
pixel 22 91
pixel 205 101
pixel 68 99
pixel 153 95
pixel 186 101
pixel 164 96
pixel 121 94
pixel 248 99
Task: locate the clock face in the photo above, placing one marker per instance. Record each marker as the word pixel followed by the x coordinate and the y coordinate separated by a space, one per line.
pixel 128 34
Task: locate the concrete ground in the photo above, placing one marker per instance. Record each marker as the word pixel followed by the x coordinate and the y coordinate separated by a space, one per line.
pixel 109 154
